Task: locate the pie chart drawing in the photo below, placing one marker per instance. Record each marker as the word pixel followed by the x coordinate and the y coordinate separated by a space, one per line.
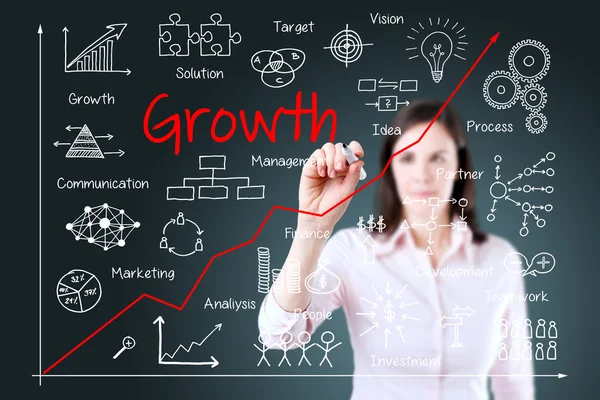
pixel 78 291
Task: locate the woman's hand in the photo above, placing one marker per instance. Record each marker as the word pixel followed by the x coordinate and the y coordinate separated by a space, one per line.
pixel 326 180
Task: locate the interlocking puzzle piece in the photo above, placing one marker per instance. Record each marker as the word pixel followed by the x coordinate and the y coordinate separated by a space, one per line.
pixel 216 38
pixel 174 38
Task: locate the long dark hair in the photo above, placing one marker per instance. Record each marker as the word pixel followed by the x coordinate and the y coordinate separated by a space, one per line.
pixel 423 111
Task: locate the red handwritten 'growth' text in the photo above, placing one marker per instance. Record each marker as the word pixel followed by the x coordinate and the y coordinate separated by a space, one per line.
pixel 175 120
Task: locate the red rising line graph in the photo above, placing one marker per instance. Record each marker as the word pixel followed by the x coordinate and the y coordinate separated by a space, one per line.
pixel 492 40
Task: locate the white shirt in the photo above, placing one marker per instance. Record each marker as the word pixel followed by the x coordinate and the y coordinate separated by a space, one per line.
pixel 393 272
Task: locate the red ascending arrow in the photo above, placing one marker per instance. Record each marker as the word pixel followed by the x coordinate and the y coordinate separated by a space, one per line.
pixel 181 307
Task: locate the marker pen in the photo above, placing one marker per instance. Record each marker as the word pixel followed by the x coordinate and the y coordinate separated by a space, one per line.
pixel 351 157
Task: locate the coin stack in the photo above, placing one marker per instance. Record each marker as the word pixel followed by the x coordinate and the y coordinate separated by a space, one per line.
pixel 277 285
pixel 293 276
pixel 264 262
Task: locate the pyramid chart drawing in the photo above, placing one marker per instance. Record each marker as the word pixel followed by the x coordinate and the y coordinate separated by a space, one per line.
pixel 85 146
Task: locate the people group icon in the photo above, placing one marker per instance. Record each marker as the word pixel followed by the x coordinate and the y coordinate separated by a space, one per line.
pixel 285 343
pixel 181 221
pixel 524 349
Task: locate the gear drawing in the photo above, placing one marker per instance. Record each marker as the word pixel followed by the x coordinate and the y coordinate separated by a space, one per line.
pixel 529 60
pixel 501 90
pixel 534 97
pixel 536 122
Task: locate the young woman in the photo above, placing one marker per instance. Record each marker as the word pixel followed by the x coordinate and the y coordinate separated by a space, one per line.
pixel 428 298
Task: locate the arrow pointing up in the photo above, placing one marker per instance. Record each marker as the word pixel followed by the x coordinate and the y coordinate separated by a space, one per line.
pixel 114 30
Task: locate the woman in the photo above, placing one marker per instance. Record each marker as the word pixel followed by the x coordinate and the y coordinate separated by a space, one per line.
pixel 424 297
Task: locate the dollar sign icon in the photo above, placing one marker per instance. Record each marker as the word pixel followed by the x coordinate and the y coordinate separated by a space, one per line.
pixel 380 224
pixel 322 281
pixel 389 313
pixel 371 223
pixel 361 225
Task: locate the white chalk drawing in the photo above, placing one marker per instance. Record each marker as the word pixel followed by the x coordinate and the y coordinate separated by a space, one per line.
pixel 504 191
pixel 78 291
pixel 193 188
pixel 103 225
pixel 389 312
pixel 372 85
pixel 85 144
pixel 431 225
pixel 171 358
pixel 98 56
pixel 285 343
pixel 437 42
pixel 523 337
pixel 456 320
pixel 264 269
pixel 277 67
pixel 346 46
pixel 128 343
pixel 321 281
pixel 387 103
pixel 528 63
pixel 215 38
pixel 181 221
pixel 542 263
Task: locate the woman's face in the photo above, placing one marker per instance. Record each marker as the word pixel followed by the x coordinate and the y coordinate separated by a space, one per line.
pixel 425 170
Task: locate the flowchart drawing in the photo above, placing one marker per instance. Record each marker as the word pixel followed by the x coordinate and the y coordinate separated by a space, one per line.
pixel 98 56
pixel 500 190
pixel 187 192
pixel 85 144
pixel 78 291
pixel 431 225
pixel 171 357
pixel 104 226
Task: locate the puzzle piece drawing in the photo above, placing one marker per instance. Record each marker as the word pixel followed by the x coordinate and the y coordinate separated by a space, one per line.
pixel 216 38
pixel 174 38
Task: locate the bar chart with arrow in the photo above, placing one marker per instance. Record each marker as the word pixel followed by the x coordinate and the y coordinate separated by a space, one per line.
pixel 98 56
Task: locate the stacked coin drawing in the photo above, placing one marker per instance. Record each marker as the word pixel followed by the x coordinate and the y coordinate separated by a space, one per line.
pixel 277 284
pixel 264 263
pixel 293 276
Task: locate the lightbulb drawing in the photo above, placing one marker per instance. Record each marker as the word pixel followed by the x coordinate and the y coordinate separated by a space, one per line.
pixel 441 41
pixel 437 49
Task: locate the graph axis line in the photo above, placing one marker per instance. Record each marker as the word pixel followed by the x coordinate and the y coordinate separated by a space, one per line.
pixel 273 208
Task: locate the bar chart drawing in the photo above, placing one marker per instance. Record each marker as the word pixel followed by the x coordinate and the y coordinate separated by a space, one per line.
pixel 98 56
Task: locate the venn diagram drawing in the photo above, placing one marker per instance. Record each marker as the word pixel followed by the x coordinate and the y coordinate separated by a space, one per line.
pixel 517 263
pixel 278 68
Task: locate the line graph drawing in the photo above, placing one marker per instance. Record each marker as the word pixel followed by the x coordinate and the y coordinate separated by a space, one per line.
pixel 180 307
pixel 98 56
pixel 161 356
